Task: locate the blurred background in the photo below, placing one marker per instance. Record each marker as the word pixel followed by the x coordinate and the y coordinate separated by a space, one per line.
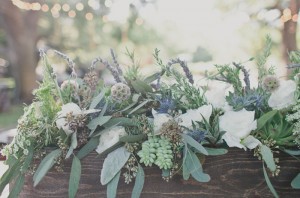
pixel 203 33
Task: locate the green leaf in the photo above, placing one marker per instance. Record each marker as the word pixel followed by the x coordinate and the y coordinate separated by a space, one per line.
pixel 166 172
pixel 272 189
pixel 89 147
pixel 296 182
pixel 265 118
pixel 267 156
pixel 112 186
pixel 132 138
pixel 9 174
pixel 152 78
pixel 139 106
pixel 113 164
pixel 292 152
pixel 140 86
pixel 193 143
pixel 74 177
pixel 216 151
pixel 200 176
pixel 17 186
pixel 99 121
pixel 139 183
pixel 27 160
pixel 120 122
pixel 72 146
pixel 97 99
pixel 103 110
pixel 45 166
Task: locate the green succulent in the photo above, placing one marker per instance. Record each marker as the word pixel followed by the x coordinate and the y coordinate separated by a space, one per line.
pixel 148 152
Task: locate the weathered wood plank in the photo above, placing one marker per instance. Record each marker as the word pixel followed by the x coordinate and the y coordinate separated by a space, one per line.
pixel 237 174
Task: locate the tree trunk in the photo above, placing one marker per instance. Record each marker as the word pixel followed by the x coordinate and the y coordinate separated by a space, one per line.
pixel 289 31
pixel 21 34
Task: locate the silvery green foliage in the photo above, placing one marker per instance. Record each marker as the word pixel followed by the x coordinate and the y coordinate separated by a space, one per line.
pixel 113 163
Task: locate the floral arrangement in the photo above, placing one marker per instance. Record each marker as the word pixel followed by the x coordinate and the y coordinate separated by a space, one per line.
pixel 162 120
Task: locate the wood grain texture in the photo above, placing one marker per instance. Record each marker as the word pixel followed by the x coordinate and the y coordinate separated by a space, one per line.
pixel 236 174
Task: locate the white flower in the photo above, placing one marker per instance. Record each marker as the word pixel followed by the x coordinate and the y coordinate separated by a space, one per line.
pixel 159 120
pixel 195 115
pixel 238 126
pixel 109 138
pixel 216 95
pixel 283 97
pixel 73 108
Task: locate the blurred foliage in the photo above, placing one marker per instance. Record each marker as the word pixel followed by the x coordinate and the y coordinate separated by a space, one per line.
pixel 201 54
pixel 10 118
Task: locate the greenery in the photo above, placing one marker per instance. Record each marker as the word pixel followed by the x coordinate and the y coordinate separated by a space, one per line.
pixel 147 121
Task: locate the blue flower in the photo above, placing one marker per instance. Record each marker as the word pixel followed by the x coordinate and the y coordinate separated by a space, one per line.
pixel 166 104
pixel 197 135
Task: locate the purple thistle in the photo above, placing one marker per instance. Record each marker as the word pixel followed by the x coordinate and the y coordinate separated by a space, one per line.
pixel 246 75
pixel 197 135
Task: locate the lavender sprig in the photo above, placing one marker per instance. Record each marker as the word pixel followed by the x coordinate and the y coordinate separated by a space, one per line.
pixel 184 66
pixel 70 62
pixel 116 62
pixel 112 70
pixel 246 75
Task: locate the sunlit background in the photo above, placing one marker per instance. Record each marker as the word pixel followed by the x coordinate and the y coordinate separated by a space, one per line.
pixel 203 33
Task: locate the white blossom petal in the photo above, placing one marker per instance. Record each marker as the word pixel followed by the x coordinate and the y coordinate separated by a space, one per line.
pixel 238 123
pixel 109 138
pixel 232 141
pixel 216 95
pixel 195 115
pixel 159 120
pixel 283 97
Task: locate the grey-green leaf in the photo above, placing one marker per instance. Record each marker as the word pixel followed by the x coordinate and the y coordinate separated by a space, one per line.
pixel 216 151
pixel 139 183
pixel 194 144
pixel 17 187
pixel 292 152
pixel 73 145
pixel 267 156
pixel 296 182
pixel 200 176
pixel 113 164
pixel 269 184
pixel 45 166
pixel 139 106
pixel 97 99
pixel 99 121
pixel 74 177
pixel 89 147
pixel 112 186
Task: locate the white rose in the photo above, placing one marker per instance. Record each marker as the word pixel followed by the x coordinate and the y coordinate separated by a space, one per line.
pixel 109 138
pixel 216 95
pixel 283 97
pixel 238 126
pixel 73 108
pixel 195 115
pixel 159 120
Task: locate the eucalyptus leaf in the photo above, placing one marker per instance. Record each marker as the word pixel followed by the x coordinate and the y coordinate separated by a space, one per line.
pixel 292 152
pixel 73 145
pixel 141 87
pixel 152 78
pixel 113 163
pixel 98 121
pixel 132 138
pixel 97 99
pixel 104 109
pixel 28 160
pixel 139 106
pixel 189 140
pixel 267 156
pixel 139 183
pixel 296 182
pixel 112 186
pixel 9 174
pixel 74 177
pixel 119 121
pixel 45 166
pixel 89 147
pixel 216 151
pixel 19 183
pixel 272 189
pixel 166 172
pixel 265 118
pixel 200 176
